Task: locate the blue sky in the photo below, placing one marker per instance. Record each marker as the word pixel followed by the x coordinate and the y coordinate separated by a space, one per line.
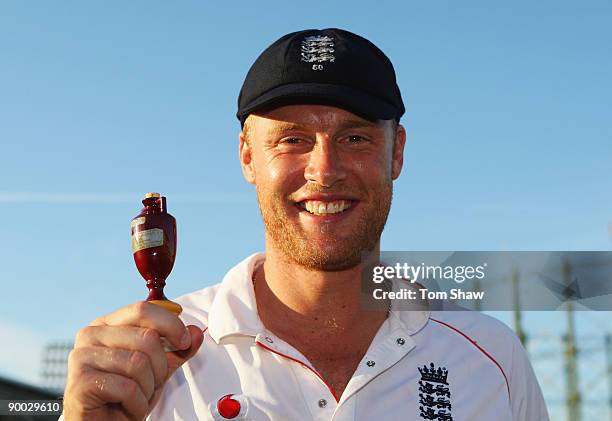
pixel 508 121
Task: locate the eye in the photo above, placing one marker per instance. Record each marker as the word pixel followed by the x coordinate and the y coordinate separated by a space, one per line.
pixel 292 141
pixel 356 139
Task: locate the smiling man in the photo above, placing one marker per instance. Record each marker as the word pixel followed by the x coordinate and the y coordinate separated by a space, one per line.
pixel 324 181
pixel 286 335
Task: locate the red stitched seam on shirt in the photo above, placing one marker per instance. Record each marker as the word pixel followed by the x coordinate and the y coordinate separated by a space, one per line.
pixel 305 365
pixel 204 335
pixel 473 342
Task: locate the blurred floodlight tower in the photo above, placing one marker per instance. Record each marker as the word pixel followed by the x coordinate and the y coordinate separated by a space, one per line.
pixel 55 365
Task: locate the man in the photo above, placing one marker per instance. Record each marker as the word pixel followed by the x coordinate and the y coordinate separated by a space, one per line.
pixel 286 335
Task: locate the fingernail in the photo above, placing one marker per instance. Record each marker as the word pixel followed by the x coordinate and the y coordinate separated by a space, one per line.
pixel 186 339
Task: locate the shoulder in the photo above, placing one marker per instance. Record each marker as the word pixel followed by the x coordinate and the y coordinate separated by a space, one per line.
pixel 475 325
pixel 474 336
pixel 492 338
pixel 196 305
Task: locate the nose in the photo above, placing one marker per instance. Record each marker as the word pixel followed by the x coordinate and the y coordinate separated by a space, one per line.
pixel 325 166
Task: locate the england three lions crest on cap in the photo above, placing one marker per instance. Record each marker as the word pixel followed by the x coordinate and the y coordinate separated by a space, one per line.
pixel 317 49
pixel 434 396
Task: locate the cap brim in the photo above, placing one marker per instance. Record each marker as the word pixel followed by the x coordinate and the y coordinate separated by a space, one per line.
pixel 357 102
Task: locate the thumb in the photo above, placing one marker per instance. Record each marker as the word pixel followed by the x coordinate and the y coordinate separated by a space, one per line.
pixel 178 358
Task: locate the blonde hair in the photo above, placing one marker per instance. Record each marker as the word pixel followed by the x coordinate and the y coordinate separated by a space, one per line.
pixel 246 129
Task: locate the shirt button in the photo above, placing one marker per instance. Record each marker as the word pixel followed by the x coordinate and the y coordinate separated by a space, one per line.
pixel 370 363
pixel 269 339
pixel 322 403
pixel 401 341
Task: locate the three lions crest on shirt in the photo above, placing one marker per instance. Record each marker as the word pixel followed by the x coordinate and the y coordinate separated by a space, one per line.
pixel 434 394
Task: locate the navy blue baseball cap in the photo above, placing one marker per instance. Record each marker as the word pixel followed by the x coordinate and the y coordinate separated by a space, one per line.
pixel 327 67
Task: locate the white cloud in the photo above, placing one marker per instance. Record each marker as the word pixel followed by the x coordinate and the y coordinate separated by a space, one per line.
pixel 60 197
pixel 102 197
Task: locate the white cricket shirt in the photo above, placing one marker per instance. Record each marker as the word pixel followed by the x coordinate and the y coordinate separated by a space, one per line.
pixel 421 365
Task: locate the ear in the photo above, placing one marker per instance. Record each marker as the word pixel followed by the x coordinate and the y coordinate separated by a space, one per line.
pixel 246 159
pixel 398 152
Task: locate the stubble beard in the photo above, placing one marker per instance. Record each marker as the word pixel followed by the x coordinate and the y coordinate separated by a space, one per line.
pixel 336 253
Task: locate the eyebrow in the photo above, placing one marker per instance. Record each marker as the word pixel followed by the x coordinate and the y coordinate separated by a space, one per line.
pixel 345 124
pixel 358 124
pixel 285 127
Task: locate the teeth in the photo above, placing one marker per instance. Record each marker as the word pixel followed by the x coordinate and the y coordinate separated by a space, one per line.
pixel 325 208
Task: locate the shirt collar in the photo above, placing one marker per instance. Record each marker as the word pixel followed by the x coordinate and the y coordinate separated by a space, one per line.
pixel 410 317
pixel 234 309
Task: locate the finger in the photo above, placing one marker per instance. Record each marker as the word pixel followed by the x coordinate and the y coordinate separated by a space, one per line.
pixel 132 364
pixel 178 358
pixel 156 397
pixel 102 388
pixel 129 338
pixel 144 314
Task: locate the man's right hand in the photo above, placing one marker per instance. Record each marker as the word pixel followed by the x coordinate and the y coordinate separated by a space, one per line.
pixel 118 366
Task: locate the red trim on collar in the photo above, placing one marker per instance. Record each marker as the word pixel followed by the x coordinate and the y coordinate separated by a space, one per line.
pixel 473 342
pixel 204 336
pixel 305 365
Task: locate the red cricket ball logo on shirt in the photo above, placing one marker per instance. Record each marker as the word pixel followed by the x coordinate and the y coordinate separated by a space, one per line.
pixel 228 408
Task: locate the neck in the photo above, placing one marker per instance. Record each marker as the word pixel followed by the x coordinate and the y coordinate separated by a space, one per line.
pixel 293 300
